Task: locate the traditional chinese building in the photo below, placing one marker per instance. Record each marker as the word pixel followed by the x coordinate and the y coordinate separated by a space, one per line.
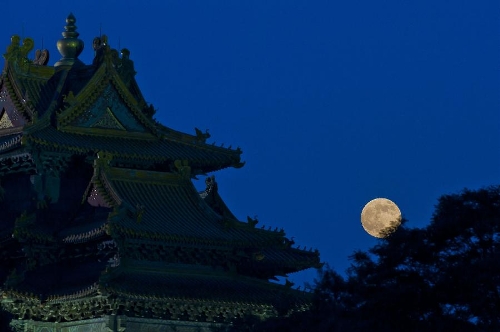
pixel 101 227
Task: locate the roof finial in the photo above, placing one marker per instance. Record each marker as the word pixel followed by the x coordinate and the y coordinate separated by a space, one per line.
pixel 70 46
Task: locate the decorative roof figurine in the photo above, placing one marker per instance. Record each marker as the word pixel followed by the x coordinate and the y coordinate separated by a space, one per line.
pixel 101 227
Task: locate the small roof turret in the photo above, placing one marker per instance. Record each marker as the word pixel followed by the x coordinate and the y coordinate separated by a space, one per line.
pixel 70 46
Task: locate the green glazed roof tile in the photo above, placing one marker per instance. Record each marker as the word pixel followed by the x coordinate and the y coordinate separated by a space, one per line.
pixel 150 149
pixel 204 287
pixel 171 205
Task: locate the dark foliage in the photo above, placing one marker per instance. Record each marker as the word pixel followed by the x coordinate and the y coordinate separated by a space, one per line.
pixel 445 277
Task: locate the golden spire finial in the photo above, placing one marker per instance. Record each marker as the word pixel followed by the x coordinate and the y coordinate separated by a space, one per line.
pixel 70 46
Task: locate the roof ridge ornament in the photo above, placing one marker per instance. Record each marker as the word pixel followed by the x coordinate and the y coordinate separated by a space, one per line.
pixel 70 46
pixel 19 53
pixel 183 168
pixel 41 57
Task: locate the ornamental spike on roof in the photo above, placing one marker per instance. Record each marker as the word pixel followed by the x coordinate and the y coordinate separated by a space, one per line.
pixel 70 46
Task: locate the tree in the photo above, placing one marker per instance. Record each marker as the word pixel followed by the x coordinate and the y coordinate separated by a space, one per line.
pixel 444 277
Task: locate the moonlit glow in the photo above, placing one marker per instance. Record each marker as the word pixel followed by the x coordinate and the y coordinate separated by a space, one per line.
pixel 380 217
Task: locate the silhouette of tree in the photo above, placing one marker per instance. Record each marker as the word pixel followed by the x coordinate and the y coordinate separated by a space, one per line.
pixel 445 277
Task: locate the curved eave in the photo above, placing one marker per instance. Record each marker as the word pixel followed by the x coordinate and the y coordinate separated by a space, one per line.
pixel 275 260
pixel 215 295
pixel 126 147
pixel 290 260
pixel 166 207
pixel 207 285
pixel 84 233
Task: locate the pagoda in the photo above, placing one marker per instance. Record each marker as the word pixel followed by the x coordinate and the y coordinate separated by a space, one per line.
pixel 101 227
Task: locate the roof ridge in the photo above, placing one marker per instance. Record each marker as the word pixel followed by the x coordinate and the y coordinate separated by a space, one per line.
pixel 101 181
pixel 44 121
pixel 88 94
pixel 12 85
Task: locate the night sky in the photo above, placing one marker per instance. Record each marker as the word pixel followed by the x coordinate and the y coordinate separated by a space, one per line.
pixel 333 103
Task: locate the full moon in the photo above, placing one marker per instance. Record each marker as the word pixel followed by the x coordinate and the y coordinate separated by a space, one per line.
pixel 380 217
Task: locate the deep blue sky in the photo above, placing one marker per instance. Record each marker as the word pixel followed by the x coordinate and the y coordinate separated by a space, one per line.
pixel 333 103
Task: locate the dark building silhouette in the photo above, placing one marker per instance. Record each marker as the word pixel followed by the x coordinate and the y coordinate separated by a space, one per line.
pixel 101 228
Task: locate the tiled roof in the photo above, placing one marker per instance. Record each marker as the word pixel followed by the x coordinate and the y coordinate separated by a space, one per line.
pixel 206 284
pixel 290 260
pixel 172 292
pixel 160 216
pixel 78 79
pixel 159 150
pixel 36 88
pixel 171 205
pixel 167 207
pixel 83 232
pixel 103 81
pixel 39 91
